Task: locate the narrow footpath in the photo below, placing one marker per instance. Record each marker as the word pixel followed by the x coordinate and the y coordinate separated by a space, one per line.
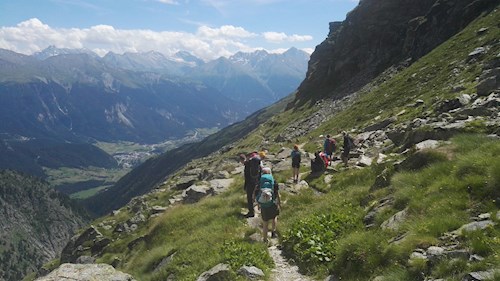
pixel 283 270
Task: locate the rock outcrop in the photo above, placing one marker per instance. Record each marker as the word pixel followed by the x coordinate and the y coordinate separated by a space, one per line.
pixel 379 34
pixel 36 222
pixel 86 272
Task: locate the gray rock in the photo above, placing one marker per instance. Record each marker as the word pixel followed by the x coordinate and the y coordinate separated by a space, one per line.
pixel 435 251
pixel 364 161
pixel 380 125
pixel 251 272
pixel 464 99
pixel 195 193
pixel 477 52
pixel 90 242
pixel 331 278
pixel 486 86
pixel 185 182
pixel 473 226
pixel 479 276
pixel 427 144
pixel 284 153
pixel 216 273
pixel 164 262
pixel 395 221
pixel 485 216
pixel 482 31
pixel 458 88
pixel 158 209
pixel 220 185
pixel 86 272
pixel 85 260
pixel 418 255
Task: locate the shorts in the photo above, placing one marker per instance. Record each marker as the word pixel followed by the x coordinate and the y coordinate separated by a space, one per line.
pixel 295 164
pixel 269 213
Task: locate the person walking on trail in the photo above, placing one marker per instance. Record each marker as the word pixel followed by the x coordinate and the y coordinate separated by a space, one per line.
pixel 329 147
pixel 348 145
pixel 269 202
pixel 296 158
pixel 252 173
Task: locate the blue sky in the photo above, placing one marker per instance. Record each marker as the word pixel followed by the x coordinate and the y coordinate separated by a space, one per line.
pixel 206 28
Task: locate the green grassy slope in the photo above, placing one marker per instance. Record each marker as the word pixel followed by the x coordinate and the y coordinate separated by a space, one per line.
pixel 322 229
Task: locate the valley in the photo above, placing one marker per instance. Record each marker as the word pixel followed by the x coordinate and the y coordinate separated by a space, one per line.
pixel 85 182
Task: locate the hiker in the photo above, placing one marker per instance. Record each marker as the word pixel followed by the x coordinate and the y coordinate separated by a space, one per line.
pixel 252 174
pixel 269 202
pixel 348 145
pixel 318 163
pixel 296 158
pixel 329 147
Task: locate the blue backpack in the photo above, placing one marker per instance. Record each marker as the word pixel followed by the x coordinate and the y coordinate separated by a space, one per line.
pixel 266 194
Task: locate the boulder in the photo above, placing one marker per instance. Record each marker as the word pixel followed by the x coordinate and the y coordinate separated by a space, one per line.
pixel 86 272
pixel 380 125
pixel 195 193
pixel 251 272
pixel 219 272
pixel 185 182
pixel 364 161
pixel 220 185
pixel 90 242
pixel 158 209
pixel 427 144
pixel 395 221
pixel 480 275
pixel 473 226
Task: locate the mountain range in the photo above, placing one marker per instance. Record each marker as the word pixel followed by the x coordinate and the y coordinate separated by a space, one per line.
pixel 73 96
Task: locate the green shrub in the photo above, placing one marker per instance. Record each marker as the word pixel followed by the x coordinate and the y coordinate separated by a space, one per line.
pixel 238 253
pixel 361 254
pixel 312 241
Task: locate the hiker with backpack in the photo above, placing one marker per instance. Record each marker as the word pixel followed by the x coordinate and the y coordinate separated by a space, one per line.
pixel 296 158
pixel 252 173
pixel 269 202
pixel 318 163
pixel 348 145
pixel 329 147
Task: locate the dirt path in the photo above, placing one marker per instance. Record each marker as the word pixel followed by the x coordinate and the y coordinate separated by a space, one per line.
pixel 283 270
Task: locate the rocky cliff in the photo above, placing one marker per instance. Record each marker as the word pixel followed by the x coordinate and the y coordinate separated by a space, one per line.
pixel 36 222
pixel 379 34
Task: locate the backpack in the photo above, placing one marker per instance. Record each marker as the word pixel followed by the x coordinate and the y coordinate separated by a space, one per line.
pixel 254 168
pixel 330 146
pixel 296 157
pixel 266 194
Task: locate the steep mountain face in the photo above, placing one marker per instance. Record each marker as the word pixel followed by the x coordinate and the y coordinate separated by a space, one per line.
pixel 378 34
pixel 36 224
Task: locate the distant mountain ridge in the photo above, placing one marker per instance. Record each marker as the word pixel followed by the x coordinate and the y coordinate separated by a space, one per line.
pixel 73 95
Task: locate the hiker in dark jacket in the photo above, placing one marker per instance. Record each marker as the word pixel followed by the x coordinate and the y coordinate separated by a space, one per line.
pixel 296 157
pixel 329 146
pixel 252 174
pixel 348 145
pixel 318 163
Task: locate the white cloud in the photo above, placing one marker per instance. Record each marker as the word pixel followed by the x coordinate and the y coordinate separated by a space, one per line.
pixel 170 2
pixel 208 43
pixel 279 37
pixel 224 31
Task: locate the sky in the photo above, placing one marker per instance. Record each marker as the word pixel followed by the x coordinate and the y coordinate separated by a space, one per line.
pixel 207 29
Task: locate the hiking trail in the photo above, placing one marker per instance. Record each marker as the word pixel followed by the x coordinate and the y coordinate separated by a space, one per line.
pixel 283 270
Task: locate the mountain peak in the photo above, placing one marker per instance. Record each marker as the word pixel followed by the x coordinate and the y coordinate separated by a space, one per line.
pixel 52 50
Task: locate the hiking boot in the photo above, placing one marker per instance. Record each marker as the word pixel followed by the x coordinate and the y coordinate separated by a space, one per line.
pixel 250 215
pixel 274 234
